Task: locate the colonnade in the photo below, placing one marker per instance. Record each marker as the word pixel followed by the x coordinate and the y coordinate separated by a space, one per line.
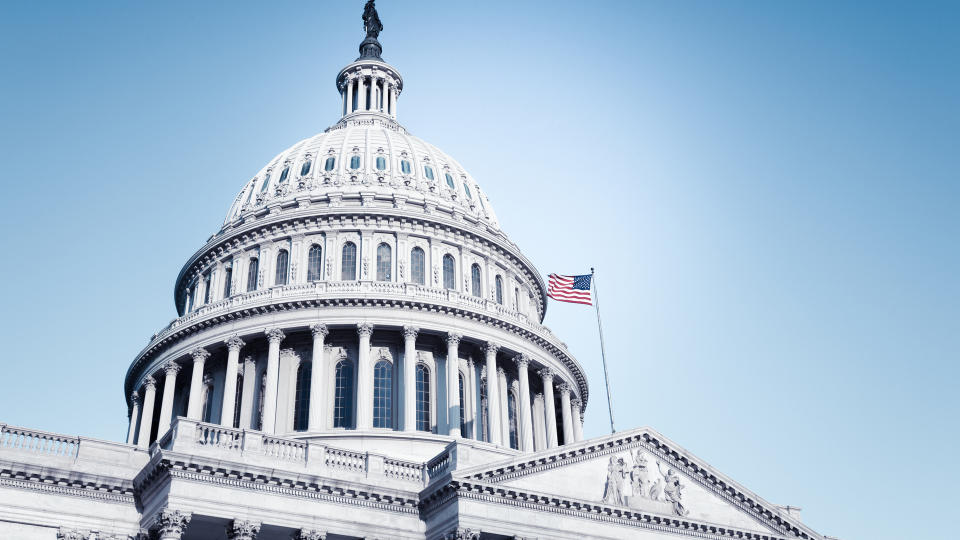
pixel 383 92
pixel 535 416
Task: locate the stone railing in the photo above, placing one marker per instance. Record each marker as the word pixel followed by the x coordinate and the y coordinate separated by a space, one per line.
pixel 255 447
pixel 38 442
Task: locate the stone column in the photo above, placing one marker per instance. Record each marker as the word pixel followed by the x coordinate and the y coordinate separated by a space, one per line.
pixel 243 530
pixel 575 404
pixel 361 94
pixel 247 394
pixel 195 403
pixel 134 416
pixel 539 430
pixel 171 524
pixel 274 337
pixel 565 412
pixel 234 344
pixel 410 378
pixel 394 95
pixel 526 424
pixel 364 378
pixel 504 406
pixel 317 371
pixel 349 95
pixel 453 384
pixel 550 410
pixel 146 415
pixel 171 369
pixel 469 405
pixel 493 396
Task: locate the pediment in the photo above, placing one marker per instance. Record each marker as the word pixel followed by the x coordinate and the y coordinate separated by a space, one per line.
pixel 642 471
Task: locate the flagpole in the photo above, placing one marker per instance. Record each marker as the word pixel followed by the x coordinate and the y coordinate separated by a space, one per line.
pixel 603 353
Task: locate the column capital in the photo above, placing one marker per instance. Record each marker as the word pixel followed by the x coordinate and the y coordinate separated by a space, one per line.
pixel 149 383
pixel 538 395
pixel 501 372
pixel 310 534
pixel 410 331
pixel 492 347
pixel 135 397
pixel 547 374
pixel 234 343
pixel 199 354
pixel 462 534
pixel 576 403
pixel 319 330
pixel 71 534
pixel 564 387
pixel 171 368
pixel 522 361
pixel 274 335
pixel 453 339
pixel 207 379
pixel 171 522
pixel 243 530
pixel 364 329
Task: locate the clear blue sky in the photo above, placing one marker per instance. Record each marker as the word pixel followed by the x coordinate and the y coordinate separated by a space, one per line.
pixel 770 192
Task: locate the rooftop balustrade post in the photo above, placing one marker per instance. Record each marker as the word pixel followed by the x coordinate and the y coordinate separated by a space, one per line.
pixel 375 465
pixel 252 442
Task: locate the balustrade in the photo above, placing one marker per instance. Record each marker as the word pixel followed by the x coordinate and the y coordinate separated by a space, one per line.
pixel 218 436
pixel 286 449
pixel 346 460
pixel 38 442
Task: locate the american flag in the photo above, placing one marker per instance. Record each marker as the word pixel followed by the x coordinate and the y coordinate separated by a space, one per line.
pixel 573 289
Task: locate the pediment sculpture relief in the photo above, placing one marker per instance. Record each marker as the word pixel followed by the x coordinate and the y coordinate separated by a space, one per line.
pixel 632 482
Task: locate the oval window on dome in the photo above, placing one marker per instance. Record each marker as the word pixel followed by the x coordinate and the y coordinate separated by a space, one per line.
pixel 331 161
pixel 284 174
pixel 466 189
pixel 381 163
pixel 266 182
pixel 305 169
pixel 354 162
pixel 405 166
pixel 428 172
pixel 450 181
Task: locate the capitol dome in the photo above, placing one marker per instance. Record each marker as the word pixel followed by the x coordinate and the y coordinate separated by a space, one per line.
pixel 360 290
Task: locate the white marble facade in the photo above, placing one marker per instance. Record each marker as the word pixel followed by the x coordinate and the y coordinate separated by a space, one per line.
pixel 359 353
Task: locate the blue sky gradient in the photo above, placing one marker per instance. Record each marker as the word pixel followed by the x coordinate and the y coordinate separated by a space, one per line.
pixel 770 193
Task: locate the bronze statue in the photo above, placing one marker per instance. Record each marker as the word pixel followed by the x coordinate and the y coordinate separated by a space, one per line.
pixel 371 21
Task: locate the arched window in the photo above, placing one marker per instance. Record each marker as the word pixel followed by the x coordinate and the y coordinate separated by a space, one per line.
pixel 263 394
pixel 463 405
pixel 253 271
pixel 206 288
pixel 449 272
pixel 382 395
pixel 428 172
pixel 466 189
pixel 284 174
pixel 227 281
pixel 237 400
pixel 423 398
pixel 283 267
pixel 484 412
pixel 266 182
pixel 499 289
pixel 516 299
pixel 450 181
pixel 354 162
pixel 250 193
pixel 305 168
pixel 314 262
pixel 418 265
pixel 207 414
pixel 301 401
pixel 512 415
pixel 381 163
pixel 331 161
pixel 475 280
pixel 384 262
pixel 343 395
pixel 348 262
pixel 405 166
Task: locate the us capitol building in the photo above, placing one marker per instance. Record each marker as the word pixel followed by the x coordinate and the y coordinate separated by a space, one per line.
pixel 359 353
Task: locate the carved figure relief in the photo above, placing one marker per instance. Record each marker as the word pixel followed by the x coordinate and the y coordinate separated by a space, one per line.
pixel 631 484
